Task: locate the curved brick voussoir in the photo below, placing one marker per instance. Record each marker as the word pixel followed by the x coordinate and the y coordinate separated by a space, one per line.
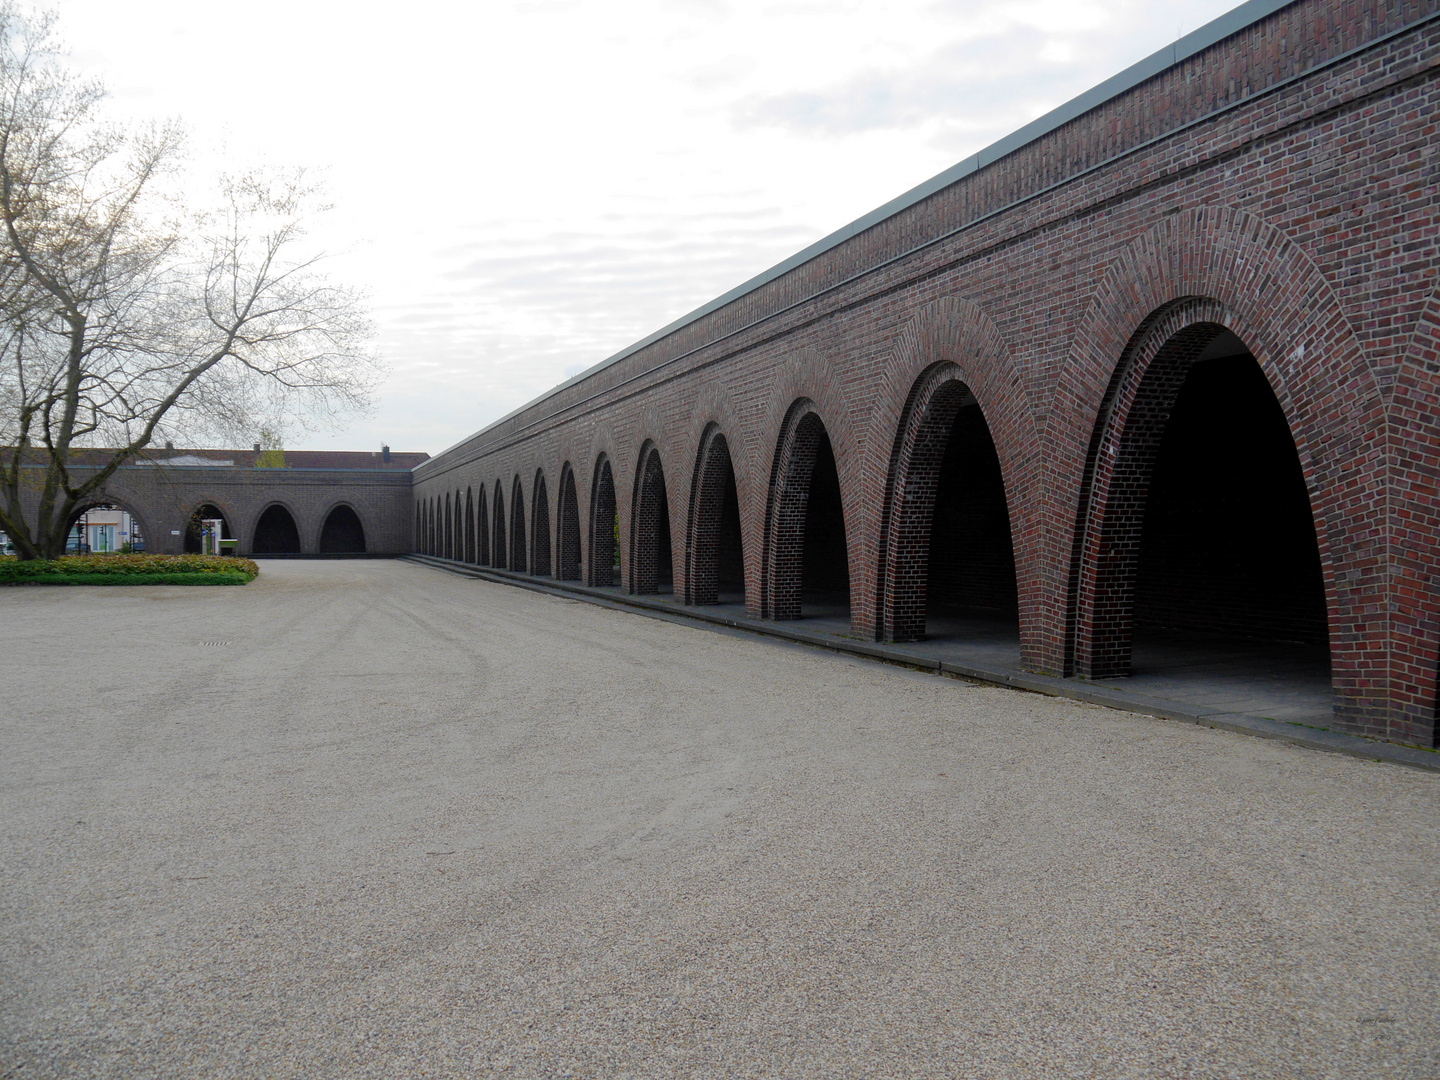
pixel 950 344
pixel 805 385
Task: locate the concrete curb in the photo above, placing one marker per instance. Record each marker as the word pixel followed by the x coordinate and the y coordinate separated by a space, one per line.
pixel 1260 726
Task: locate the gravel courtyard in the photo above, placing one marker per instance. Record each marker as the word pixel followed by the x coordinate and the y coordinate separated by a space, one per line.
pixel 400 823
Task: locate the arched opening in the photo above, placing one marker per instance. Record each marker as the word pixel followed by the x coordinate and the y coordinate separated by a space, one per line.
pixel 482 530
pixel 604 528
pixel 275 533
pixel 105 528
pixel 447 536
pixel 418 543
pixel 517 527
pixel 949 561
pixel 499 543
pixel 716 562
pixel 540 529
pixel 806 564
pixel 568 538
pixel 1198 532
pixel 651 555
pixel 342 533
pixel 201 534
pixel 457 542
pixel 469 525
pixel 432 533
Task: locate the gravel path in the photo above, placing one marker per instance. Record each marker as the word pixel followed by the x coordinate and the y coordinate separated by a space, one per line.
pixel 405 824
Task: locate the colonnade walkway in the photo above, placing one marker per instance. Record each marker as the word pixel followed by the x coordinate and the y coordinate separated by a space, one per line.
pixel 1271 689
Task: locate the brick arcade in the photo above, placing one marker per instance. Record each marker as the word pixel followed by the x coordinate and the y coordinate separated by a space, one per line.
pixel 1165 361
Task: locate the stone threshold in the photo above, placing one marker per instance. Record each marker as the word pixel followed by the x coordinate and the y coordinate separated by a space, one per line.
pixel 1260 726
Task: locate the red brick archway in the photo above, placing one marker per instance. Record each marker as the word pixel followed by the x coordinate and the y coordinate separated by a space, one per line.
pixel 925 430
pixel 602 525
pixel 650 524
pixel 712 491
pixel 782 559
pixel 540 528
pixel 1221 267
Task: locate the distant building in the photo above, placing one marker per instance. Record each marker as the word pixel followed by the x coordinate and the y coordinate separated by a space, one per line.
pixel 105 529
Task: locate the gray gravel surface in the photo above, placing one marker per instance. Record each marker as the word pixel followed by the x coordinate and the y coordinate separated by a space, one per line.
pixel 403 823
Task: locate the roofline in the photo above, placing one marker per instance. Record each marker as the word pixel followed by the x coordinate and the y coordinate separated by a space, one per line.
pixel 1193 43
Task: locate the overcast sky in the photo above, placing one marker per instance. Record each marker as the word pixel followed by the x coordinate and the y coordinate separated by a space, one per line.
pixel 527 188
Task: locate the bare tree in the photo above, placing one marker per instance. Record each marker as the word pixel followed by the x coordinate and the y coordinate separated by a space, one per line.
pixel 124 317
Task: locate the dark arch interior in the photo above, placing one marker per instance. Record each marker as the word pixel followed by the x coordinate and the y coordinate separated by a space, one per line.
pixel 1228 544
pixel 825 564
pixel 540 530
pixel 605 531
pixel 276 534
pixel 730 552
pixel 568 533
pixel 208 512
pixel 342 534
pixel 470 555
pixel 499 545
pixel 972 557
pixel 653 555
pixel 517 529
pixel 482 531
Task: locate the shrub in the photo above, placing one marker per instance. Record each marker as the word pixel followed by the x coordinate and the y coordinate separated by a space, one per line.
pixel 128 570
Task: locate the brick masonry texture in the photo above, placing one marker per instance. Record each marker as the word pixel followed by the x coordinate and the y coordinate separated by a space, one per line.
pixel 162 499
pixel 1280 185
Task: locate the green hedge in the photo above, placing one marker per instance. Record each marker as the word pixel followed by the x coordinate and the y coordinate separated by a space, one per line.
pixel 179 578
pixel 129 570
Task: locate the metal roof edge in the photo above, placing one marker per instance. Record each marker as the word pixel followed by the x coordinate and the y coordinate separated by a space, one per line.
pixel 1197 41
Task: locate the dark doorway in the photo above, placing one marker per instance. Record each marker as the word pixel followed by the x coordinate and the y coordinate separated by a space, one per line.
pixel 517 528
pixel 1228 545
pixel 194 538
pixel 717 559
pixel 540 530
pixel 825 564
pixel 568 510
pixel 805 568
pixel 342 534
pixel 1197 572
pixel 482 530
pixel 469 530
pixel 499 550
pixel 604 529
pixel 276 534
pixel 972 558
pixel 652 557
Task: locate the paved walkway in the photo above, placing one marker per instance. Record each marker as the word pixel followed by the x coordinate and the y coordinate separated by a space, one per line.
pixel 1267 679
pixel 373 819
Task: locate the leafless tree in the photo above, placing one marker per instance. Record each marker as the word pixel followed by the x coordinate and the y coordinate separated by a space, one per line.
pixel 126 318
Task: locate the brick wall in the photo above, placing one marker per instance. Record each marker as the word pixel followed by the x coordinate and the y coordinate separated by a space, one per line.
pixel 1280 186
pixel 164 500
